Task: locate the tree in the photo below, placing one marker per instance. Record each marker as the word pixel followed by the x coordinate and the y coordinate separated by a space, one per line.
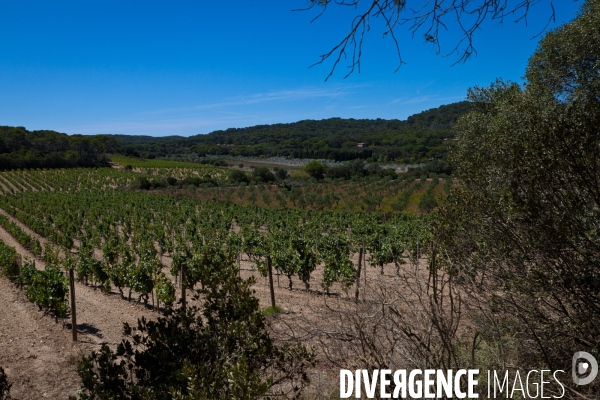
pixel 521 231
pixel 281 173
pixel 239 176
pixel 315 169
pixel 425 18
pixel 263 174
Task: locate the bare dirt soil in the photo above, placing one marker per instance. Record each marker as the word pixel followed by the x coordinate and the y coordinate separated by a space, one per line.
pixel 40 358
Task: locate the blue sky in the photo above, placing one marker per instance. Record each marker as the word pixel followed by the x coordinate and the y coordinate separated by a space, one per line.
pixel 188 67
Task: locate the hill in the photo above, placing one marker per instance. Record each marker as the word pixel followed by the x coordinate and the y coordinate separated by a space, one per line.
pixel 421 137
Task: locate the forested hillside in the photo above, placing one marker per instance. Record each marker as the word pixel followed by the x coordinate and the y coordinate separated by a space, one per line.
pixel 421 137
pixel 20 148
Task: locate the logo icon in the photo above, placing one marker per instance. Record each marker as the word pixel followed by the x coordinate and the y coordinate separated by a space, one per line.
pixel 581 368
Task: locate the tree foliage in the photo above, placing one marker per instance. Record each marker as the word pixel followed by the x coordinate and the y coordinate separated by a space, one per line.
pixel 525 218
pixel 48 289
pixel 222 350
pixel 315 169
pixel 20 148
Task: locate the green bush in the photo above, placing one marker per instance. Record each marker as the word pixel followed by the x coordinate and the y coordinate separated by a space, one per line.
pixel 262 174
pixel 427 202
pixel 315 169
pixel 239 176
pixel 222 350
pixel 521 232
pixel 26 240
pixel 143 183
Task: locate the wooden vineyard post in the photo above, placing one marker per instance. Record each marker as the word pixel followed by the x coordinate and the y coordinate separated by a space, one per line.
pixel 73 310
pixel 364 266
pixel 360 256
pixel 270 271
pixel 183 299
pixel 17 272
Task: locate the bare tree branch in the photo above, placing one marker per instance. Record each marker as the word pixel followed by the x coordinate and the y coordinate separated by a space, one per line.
pixel 429 19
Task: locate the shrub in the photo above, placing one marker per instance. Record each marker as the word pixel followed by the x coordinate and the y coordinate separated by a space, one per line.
pixel 522 224
pixel 222 350
pixel 8 262
pixel 280 173
pixel 143 183
pixel 165 290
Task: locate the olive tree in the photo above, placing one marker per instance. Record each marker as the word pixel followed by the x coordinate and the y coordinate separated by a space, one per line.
pixel 522 231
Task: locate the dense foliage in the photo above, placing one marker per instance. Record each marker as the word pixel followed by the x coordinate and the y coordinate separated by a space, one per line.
pixel 221 350
pixel 9 265
pixel 421 137
pixel 525 219
pixel 195 233
pixel 357 169
pixel 20 148
pixel 48 289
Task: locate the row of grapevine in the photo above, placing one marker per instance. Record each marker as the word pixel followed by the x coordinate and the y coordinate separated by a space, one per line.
pixel 48 289
pixel 26 240
pixel 370 194
pixel 134 230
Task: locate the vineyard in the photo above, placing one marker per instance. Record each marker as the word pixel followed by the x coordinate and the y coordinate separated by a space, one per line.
pixel 406 193
pixel 124 277
pixel 132 232
pixel 141 248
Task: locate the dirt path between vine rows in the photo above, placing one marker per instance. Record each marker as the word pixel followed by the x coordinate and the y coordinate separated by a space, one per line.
pixel 38 353
pixel 40 359
pixel 5 183
pixel 29 186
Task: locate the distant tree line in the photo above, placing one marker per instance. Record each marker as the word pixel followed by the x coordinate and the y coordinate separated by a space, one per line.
pixel 160 183
pixel 357 169
pixel 21 148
